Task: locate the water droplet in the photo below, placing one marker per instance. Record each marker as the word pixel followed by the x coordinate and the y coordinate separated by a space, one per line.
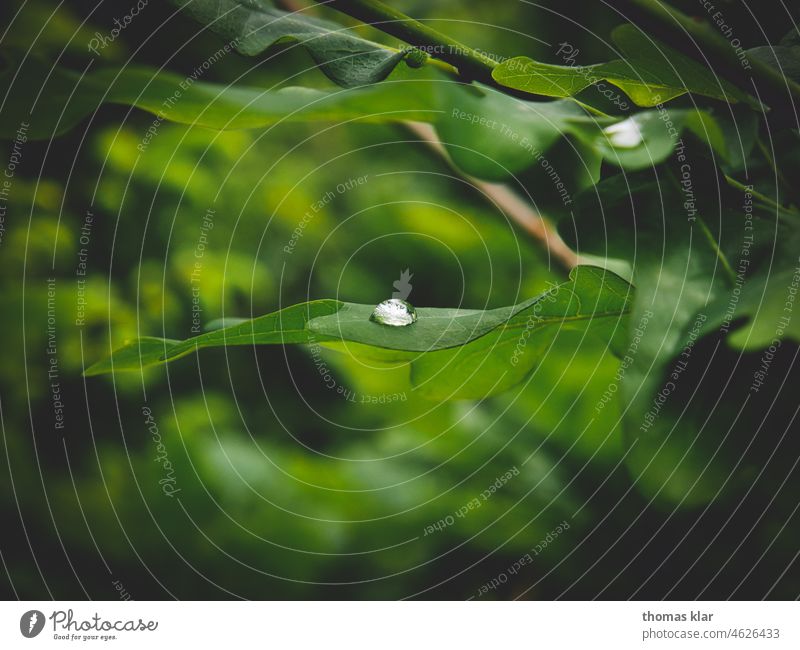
pixel 624 135
pixel 394 312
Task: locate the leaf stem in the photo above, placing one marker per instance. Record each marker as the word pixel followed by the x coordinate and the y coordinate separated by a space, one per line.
pixel 765 200
pixel 778 173
pixel 590 109
pixel 471 64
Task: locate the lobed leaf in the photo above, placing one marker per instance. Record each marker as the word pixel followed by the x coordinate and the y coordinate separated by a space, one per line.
pixel 650 74
pixel 253 26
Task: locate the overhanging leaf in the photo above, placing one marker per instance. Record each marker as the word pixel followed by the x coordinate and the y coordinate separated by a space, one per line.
pixel 488 134
pixel 37 86
pixel 252 26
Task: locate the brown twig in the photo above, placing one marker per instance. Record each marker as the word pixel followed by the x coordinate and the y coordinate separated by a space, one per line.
pixel 518 210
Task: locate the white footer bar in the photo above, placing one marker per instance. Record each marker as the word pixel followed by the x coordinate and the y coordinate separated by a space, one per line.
pixel 400 625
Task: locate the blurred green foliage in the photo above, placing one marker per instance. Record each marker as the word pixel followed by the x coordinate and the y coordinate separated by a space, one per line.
pixel 288 487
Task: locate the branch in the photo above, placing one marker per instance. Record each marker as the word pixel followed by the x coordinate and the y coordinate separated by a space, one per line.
pixel 471 64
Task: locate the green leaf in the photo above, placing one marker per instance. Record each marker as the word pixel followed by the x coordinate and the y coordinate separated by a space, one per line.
pixel 760 312
pixel 594 301
pixel 37 86
pixel 649 138
pixel 135 355
pixel 452 352
pixel 650 74
pixel 678 267
pixel 252 26
pixel 493 136
pixel 784 57
pixel 487 133
pixel 523 73
pixel 435 329
pixel 740 133
pixel 712 428
pixel 688 410
pixel 285 326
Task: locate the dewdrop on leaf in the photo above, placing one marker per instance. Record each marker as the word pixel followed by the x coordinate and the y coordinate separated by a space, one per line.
pixel 625 134
pixel 394 312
